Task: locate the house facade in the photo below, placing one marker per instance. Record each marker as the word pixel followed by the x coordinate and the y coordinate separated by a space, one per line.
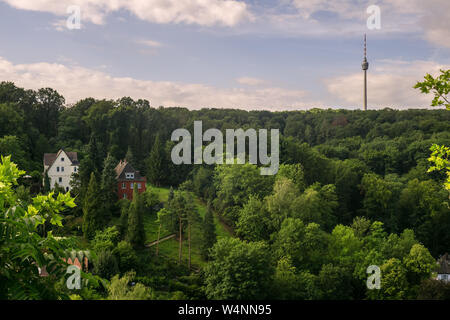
pixel 127 176
pixel 60 166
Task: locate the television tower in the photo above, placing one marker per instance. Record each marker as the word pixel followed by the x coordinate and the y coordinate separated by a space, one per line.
pixel 365 67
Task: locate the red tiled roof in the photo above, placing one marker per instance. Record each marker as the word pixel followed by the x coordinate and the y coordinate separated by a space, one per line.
pixel 123 167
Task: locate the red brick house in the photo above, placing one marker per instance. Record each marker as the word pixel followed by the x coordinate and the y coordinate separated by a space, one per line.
pixel 127 176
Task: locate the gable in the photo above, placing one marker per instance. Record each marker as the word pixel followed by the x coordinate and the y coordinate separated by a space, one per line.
pixel 71 158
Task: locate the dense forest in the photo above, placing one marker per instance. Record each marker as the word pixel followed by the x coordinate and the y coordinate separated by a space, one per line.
pixel 353 190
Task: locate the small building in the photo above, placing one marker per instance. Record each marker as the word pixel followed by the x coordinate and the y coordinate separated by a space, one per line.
pixel 60 166
pixel 127 176
pixel 443 272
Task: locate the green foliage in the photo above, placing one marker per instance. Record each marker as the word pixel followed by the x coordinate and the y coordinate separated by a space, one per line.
pixel 440 158
pixel 106 265
pixel 439 86
pixel 432 289
pixel 156 163
pixel 295 173
pixel 235 184
pixel 121 289
pixel 92 209
pixel 280 202
pixel 135 230
pixel 109 185
pixel 209 232
pixel 254 222
pixel 105 240
pixel 288 284
pixel 317 204
pixel 22 249
pixel 127 258
pixel 238 270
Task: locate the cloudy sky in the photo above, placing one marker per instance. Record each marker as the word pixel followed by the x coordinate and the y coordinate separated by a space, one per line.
pixel 254 54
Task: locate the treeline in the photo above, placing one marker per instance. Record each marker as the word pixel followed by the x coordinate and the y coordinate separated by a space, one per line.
pixel 352 191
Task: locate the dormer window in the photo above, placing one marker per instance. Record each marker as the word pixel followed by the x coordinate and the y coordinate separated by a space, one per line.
pixel 129 175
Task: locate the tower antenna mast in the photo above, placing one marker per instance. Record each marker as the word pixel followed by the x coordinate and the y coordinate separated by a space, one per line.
pixel 365 67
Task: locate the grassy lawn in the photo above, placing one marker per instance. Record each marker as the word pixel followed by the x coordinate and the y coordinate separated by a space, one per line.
pixel 170 247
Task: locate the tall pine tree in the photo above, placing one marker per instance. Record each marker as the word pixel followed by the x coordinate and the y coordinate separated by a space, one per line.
pixel 136 232
pixel 92 209
pixel 109 185
pixel 130 157
pixel 209 232
pixel 156 163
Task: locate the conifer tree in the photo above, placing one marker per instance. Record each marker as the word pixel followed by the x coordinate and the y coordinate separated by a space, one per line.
pixel 109 185
pixel 209 232
pixel 130 157
pixel 46 182
pixel 135 230
pixel 91 209
pixel 94 153
pixel 156 163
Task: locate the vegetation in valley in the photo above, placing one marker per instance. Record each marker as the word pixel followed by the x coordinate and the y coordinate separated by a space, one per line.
pixel 354 189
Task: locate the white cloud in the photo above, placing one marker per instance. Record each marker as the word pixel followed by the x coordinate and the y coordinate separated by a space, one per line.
pixel 201 12
pixel 389 85
pixel 429 19
pixel 76 82
pixel 249 81
pixel 149 43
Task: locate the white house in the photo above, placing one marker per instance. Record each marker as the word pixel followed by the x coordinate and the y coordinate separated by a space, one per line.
pixel 59 167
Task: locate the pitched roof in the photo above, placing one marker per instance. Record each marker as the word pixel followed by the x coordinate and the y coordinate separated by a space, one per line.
pixel 124 167
pixel 49 158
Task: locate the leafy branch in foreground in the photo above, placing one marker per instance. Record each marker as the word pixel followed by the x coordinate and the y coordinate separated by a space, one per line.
pixel 440 158
pixel 22 249
pixel 439 86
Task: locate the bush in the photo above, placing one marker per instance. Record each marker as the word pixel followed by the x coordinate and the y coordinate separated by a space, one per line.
pixel 106 239
pixel 106 265
pixel 127 258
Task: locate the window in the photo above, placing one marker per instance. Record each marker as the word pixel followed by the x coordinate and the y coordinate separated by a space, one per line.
pixel 62 169
pixel 74 169
pixel 139 186
pixel 60 180
pixel 62 159
pixel 132 186
pixel 123 185
pixel 124 195
pixel 129 175
pixel 57 169
pixel 67 189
